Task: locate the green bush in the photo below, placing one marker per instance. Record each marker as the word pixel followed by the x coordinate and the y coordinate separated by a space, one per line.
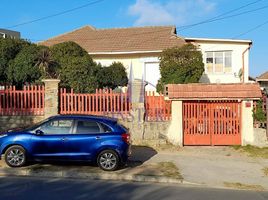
pixel 24 67
pixel 258 113
pixel 113 76
pixel 9 48
pixel 180 65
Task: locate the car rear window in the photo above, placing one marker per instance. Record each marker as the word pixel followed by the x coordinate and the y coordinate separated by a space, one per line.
pixel 84 127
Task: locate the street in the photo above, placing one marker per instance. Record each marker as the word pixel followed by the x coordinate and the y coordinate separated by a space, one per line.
pixel 52 188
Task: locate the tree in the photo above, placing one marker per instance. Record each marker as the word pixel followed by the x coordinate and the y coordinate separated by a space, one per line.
pixel 9 48
pixel 113 76
pixel 75 68
pixel 24 67
pixel 46 64
pixel 180 65
pixel 64 50
pixel 79 73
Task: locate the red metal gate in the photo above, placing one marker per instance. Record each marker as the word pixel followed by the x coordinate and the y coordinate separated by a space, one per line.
pixel 212 122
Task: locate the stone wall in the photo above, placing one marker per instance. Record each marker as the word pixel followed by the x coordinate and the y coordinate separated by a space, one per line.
pixel 260 137
pixel 9 122
pixel 155 132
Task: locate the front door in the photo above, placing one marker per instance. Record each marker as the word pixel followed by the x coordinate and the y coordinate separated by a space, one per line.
pixel 152 75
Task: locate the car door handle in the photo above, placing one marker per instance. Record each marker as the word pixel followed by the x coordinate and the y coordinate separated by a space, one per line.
pixel 98 137
pixel 64 139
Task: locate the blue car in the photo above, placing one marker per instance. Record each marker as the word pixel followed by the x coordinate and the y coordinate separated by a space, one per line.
pixel 68 138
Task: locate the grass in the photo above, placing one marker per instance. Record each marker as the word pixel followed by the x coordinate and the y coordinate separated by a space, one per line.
pixel 169 169
pixel 166 169
pixel 265 171
pixel 242 186
pixel 253 151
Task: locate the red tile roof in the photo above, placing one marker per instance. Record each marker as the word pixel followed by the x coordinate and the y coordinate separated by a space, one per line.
pixel 213 91
pixel 155 38
pixel 263 76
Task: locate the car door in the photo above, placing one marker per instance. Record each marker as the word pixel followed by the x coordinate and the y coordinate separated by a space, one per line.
pixel 87 138
pixel 50 143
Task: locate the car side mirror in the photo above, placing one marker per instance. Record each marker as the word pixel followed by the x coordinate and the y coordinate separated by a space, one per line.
pixel 39 132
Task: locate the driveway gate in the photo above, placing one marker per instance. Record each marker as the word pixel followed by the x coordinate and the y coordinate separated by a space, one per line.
pixel 212 122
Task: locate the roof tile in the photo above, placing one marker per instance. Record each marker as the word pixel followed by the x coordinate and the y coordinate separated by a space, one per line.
pixel 121 39
pixel 214 91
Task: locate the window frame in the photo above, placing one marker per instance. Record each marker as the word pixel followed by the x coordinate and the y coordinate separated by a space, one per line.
pixel 88 120
pixel 214 61
pixel 49 121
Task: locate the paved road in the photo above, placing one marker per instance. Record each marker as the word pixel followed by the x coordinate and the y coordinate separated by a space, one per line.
pixel 67 189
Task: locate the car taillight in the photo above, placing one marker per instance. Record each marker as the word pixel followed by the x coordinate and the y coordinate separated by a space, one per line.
pixel 126 138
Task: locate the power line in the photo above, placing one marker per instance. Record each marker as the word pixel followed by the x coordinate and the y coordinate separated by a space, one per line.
pixel 250 30
pixel 215 18
pixel 57 14
pixel 223 14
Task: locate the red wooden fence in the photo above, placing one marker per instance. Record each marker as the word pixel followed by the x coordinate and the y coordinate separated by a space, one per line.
pixel 100 103
pixel 156 107
pixel 29 101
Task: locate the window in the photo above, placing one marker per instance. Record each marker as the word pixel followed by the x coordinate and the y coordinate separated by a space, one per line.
pixel 219 62
pixel 57 127
pixel 106 129
pixel 84 127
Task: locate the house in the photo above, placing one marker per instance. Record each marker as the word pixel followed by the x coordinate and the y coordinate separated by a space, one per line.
pixel 139 48
pixel 263 81
pixel 4 33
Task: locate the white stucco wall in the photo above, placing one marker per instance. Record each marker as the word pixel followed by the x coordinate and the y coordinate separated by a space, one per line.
pixel 247 132
pixel 237 61
pixel 175 130
pixel 136 62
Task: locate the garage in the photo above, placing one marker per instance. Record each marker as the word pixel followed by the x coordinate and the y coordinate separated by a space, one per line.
pixel 212 123
pixel 212 114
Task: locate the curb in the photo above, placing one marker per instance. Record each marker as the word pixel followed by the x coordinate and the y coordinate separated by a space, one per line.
pixel 91 176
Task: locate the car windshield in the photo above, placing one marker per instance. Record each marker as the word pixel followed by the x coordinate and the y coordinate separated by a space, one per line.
pixel 34 126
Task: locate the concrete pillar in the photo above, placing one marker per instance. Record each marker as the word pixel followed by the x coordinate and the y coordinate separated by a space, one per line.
pixel 51 97
pixel 136 93
pixel 247 131
pixel 175 131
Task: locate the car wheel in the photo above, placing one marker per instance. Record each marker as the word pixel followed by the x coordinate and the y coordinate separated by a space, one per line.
pixel 15 156
pixel 108 160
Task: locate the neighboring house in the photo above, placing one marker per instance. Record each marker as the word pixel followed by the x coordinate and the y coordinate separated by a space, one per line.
pixel 4 33
pixel 263 81
pixel 139 48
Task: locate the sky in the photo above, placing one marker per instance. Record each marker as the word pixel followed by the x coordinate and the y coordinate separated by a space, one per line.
pixel 248 19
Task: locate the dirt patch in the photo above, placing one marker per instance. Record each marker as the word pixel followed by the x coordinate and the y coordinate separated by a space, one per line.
pixel 253 151
pixel 265 171
pixel 166 169
pixel 242 186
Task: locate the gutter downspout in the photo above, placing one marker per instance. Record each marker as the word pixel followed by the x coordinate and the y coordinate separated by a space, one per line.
pixel 243 62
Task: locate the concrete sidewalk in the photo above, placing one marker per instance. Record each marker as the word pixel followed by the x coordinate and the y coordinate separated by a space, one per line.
pixel 220 167
pixel 215 167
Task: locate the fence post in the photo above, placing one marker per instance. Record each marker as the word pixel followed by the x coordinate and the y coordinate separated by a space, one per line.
pixel 51 97
pixel 136 93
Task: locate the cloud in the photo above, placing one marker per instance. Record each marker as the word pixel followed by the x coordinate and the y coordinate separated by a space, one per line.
pixel 179 12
